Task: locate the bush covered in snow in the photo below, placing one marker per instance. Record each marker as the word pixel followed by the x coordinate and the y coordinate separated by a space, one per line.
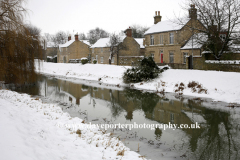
pixel 146 70
pixel 84 60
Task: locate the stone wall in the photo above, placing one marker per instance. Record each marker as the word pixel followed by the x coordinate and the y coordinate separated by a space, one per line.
pixel 200 64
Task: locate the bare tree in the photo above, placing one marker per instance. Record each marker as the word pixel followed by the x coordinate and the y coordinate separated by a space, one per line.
pixel 116 44
pixel 96 34
pixel 59 38
pixel 138 31
pixel 82 36
pixel 221 19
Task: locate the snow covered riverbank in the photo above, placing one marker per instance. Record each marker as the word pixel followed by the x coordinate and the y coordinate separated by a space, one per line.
pixel 220 86
pixel 32 130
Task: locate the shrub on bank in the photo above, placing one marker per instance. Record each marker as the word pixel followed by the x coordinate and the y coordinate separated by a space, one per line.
pixel 84 60
pixel 146 70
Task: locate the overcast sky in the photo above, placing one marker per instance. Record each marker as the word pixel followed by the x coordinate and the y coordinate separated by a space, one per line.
pixel 111 15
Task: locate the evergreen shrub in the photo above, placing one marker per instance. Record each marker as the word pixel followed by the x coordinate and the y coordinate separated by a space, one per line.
pixel 84 61
pixel 146 70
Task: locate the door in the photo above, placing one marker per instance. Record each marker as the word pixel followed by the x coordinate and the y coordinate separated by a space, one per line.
pixel 161 56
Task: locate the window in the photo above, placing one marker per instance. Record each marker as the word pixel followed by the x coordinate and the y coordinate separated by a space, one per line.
pixel 152 55
pixel 101 50
pixel 97 57
pixel 112 60
pixel 101 59
pixel 184 57
pixel 92 50
pixel 171 57
pixel 161 39
pixel 171 38
pixel 151 40
pixel 222 37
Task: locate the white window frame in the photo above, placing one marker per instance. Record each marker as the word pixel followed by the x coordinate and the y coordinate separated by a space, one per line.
pixel 101 50
pixel 101 59
pixel 151 39
pixel 112 60
pixel 171 38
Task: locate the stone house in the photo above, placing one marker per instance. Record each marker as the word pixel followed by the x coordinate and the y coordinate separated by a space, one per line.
pixel 73 49
pixel 165 40
pixel 133 52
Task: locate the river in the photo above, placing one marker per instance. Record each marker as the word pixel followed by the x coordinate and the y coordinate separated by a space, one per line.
pixel 218 135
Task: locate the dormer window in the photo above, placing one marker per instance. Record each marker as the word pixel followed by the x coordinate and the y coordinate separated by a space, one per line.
pixel 151 40
pixel 92 50
pixel 171 38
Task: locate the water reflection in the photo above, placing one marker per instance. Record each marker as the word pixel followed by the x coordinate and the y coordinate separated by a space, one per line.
pixel 218 137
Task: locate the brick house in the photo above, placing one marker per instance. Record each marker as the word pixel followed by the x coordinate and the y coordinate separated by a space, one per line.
pixel 73 49
pixel 164 40
pixel 135 50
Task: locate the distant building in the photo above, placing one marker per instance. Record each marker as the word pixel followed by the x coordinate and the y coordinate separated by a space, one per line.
pixel 73 49
pixel 100 51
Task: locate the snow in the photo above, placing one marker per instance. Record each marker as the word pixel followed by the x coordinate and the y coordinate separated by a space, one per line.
pixel 193 43
pixel 224 61
pixel 68 43
pixel 32 130
pixel 220 86
pixel 140 42
pixel 164 26
pixel 86 42
pixel 102 42
pixel 50 44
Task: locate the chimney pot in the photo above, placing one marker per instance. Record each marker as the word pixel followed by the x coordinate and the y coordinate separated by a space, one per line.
pixel 156 13
pixel 159 13
pixel 76 37
pixel 69 38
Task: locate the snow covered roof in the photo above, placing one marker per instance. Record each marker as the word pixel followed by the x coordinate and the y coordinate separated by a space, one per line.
pixel 68 43
pixel 140 42
pixel 104 42
pixel 195 39
pixel 163 26
pixel 86 42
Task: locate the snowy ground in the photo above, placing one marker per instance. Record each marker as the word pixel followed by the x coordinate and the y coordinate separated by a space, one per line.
pixel 31 130
pixel 220 86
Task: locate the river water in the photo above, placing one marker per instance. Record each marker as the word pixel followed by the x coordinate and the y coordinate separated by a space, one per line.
pixel 218 135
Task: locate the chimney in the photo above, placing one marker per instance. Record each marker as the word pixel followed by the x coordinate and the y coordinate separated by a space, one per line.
pixel 76 37
pixel 128 32
pixel 157 17
pixel 69 38
pixel 192 12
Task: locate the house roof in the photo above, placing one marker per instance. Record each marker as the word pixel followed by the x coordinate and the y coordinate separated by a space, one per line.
pixel 104 42
pixel 193 41
pixel 140 42
pixel 164 26
pixel 68 43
